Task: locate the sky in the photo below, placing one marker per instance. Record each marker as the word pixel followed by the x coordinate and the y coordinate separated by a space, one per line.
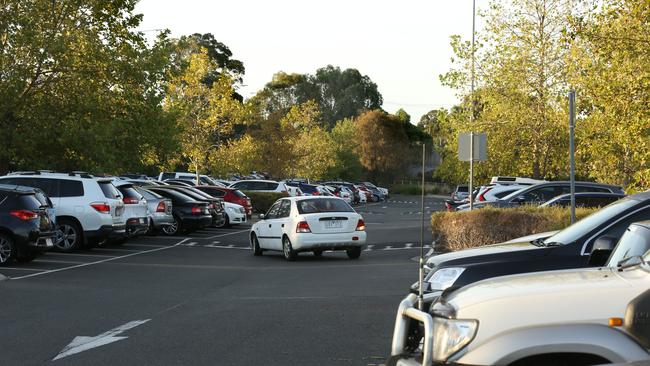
pixel 403 46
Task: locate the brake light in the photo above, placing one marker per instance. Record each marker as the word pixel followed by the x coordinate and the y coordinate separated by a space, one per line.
pixel 361 225
pixel 481 196
pixel 101 207
pixel 316 193
pixel 303 227
pixel 196 210
pixel 24 215
pixel 130 201
pixel 161 206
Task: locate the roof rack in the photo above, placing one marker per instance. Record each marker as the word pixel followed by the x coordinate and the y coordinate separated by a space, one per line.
pixel 81 174
pixel 26 172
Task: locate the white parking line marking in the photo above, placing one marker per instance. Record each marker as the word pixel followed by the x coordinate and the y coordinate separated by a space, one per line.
pixel 145 245
pixel 23 269
pixel 52 261
pixel 233 233
pixel 216 242
pixel 368 248
pixel 100 261
pixel 408 245
pixel 190 244
pixel 118 250
pixel 226 247
pixel 81 255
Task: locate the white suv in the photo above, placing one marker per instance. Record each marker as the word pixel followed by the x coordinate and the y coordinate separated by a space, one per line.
pixel 259 185
pixel 88 210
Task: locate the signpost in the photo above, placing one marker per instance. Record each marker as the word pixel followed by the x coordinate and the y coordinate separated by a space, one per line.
pixel 472 147
pixel 572 173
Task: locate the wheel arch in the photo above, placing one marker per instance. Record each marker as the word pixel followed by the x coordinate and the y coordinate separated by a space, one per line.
pixel 594 339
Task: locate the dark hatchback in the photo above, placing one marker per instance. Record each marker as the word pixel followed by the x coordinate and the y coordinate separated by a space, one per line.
pixel 588 242
pixel 189 214
pixel 215 205
pixel 25 227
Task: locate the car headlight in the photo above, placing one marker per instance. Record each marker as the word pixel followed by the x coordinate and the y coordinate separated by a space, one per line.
pixel 444 277
pixel 231 210
pixel 451 335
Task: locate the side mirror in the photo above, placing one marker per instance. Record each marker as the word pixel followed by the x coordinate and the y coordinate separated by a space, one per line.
pixel 637 318
pixel 262 216
pixel 602 249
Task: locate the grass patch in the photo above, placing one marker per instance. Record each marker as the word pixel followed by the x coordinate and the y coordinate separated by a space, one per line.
pixel 467 229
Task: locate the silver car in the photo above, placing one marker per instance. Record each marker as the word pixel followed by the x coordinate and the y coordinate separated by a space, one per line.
pixel 159 210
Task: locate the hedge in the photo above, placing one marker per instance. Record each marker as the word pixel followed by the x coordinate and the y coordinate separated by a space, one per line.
pixel 467 229
pixel 262 201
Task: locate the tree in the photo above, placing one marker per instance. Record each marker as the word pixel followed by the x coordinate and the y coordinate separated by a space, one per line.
pixel 381 144
pixel 218 52
pixel 339 93
pixel 611 69
pixel 344 137
pixel 520 100
pixel 202 112
pixel 73 77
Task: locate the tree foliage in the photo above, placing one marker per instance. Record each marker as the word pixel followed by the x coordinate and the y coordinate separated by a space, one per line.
pixel 339 93
pixel 381 143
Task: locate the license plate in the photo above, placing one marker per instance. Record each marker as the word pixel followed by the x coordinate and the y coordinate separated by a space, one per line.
pixel 141 221
pixel 48 242
pixel 333 224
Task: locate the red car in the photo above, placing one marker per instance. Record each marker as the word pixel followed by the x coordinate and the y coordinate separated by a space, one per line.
pixel 229 195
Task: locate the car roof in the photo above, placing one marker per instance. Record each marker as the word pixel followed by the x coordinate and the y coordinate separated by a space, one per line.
pixel 256 180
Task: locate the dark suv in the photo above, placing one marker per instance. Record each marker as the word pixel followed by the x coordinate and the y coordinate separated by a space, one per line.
pixel 25 227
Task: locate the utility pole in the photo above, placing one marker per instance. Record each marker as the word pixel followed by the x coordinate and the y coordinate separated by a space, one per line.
pixel 572 173
pixel 471 116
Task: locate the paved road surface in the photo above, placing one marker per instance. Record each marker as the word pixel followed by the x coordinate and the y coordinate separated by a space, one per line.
pixel 205 300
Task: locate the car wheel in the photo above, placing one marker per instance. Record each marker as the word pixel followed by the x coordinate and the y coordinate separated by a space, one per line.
pixel 354 253
pixel 227 222
pixel 7 249
pixel 222 223
pixel 71 237
pixel 255 245
pixel 174 228
pixel 287 249
pixel 318 253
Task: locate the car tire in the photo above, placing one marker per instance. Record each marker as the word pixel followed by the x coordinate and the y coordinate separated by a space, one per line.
pixel 7 249
pixel 151 230
pixel 173 229
pixel 227 222
pixel 287 249
pixel 72 237
pixel 354 253
pixel 255 246
pixel 318 253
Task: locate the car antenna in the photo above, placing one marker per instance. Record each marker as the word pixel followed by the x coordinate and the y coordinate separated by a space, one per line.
pixel 421 262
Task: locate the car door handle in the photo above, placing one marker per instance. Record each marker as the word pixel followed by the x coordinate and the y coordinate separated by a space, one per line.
pixel 282 225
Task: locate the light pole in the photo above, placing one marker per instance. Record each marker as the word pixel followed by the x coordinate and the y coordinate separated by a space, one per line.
pixel 471 116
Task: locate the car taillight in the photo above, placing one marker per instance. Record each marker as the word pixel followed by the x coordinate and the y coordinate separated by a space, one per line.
pixel 303 227
pixel 196 210
pixel 481 196
pixel 316 193
pixel 130 201
pixel 101 207
pixel 361 225
pixel 161 206
pixel 24 215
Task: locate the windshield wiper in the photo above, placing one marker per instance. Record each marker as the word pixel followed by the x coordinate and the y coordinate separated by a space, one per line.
pixel 552 244
pixel 624 263
pixel 537 242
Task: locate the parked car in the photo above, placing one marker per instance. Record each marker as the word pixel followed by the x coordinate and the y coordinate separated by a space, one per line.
pixel 383 191
pixel 460 193
pixel 588 242
pixel 215 205
pixel 135 210
pixel 25 227
pixel 235 214
pixel 88 210
pixel 189 214
pixel 584 199
pixel 258 185
pixel 315 224
pixel 143 182
pixel 229 195
pixel 159 210
pixel 203 179
pixel 494 192
pixel 180 182
pixel 355 192
pixel 521 181
pixel 539 193
pixel 572 317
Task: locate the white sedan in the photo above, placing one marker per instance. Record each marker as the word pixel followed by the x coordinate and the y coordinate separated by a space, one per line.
pixel 309 224
pixel 235 214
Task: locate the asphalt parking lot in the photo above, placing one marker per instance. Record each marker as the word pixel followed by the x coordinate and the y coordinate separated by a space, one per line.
pixel 203 299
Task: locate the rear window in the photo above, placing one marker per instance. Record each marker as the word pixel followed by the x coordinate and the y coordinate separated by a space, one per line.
pixel 503 194
pixel 130 192
pixel 71 188
pixel 176 197
pixel 318 205
pixel 109 190
pixel 461 189
pixel 149 195
pixel 29 202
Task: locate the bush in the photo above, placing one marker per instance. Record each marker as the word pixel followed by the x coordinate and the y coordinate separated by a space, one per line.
pixel 467 229
pixel 262 201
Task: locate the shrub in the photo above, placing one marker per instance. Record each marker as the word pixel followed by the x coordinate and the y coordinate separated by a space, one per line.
pixel 467 229
pixel 416 189
pixel 262 201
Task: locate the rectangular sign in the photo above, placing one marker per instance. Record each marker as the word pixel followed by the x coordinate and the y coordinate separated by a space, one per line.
pixel 480 146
